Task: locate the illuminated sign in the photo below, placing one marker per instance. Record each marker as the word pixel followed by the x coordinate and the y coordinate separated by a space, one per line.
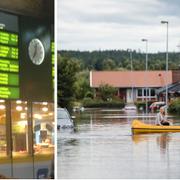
pixel 52 60
pixel 9 79
pixel 9 65
pixel 8 52
pixel 8 38
pixel 9 92
pixel 52 52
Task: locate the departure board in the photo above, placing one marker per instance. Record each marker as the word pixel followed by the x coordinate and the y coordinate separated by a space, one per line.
pixel 52 60
pixel 9 65
pixel 8 38
pixel 8 52
pixel 9 92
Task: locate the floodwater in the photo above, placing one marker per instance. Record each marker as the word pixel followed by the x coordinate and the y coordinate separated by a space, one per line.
pixel 102 146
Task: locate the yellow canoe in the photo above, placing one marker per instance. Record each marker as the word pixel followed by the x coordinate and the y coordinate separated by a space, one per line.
pixel 140 127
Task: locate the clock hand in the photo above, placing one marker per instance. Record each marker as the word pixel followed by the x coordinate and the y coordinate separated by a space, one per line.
pixel 35 51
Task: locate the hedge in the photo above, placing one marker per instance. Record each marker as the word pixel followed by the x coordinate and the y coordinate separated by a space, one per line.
pixel 97 103
pixel 174 107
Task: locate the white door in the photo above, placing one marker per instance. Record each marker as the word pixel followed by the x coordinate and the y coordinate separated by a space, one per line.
pixel 129 96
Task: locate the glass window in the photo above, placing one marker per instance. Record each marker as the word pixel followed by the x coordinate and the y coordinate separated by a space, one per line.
pixel 153 93
pixel 19 128
pixel 62 114
pixel 145 92
pixel 139 92
pixel 43 128
pixel 3 141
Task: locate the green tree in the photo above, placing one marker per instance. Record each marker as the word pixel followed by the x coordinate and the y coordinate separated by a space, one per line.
pixel 107 92
pixel 82 84
pixel 109 64
pixel 67 69
pixel 96 60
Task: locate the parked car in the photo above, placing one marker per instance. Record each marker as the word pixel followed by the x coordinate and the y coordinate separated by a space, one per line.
pixel 64 119
pixel 156 106
pixel 130 107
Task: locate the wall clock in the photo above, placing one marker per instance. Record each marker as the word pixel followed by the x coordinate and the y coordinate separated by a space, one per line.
pixel 36 51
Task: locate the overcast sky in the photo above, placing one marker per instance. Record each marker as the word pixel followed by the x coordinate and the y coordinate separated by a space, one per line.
pixel 117 24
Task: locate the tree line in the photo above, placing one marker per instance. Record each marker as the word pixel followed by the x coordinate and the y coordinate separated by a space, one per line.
pixel 120 60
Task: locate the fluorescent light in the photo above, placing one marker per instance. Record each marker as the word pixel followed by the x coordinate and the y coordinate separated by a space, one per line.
pixel 19 108
pixel 18 102
pixel 2 107
pixel 45 109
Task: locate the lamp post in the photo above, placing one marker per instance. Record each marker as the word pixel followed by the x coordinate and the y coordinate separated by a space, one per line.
pixel 167 24
pixel 146 40
pixel 131 59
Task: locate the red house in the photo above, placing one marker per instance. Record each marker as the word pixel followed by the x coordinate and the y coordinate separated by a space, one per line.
pixel 132 85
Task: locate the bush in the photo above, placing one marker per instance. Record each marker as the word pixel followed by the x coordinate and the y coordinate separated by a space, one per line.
pixel 174 107
pixel 106 92
pixel 89 94
pixel 97 103
pixel 142 104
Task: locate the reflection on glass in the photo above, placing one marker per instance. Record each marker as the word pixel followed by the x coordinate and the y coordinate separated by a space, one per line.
pixel 19 128
pixel 43 126
pixel 3 141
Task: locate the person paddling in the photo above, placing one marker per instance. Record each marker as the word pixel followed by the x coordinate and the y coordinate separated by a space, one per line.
pixel 161 119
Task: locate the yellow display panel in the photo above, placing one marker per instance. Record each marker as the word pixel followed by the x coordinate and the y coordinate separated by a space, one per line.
pixel 9 92
pixel 9 65
pixel 8 52
pixel 9 79
pixel 52 61
pixel 8 38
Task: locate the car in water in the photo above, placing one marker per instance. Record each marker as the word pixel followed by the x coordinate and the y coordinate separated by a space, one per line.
pixel 64 119
pixel 130 107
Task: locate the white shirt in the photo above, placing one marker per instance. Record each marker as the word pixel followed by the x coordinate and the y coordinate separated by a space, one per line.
pixel 160 117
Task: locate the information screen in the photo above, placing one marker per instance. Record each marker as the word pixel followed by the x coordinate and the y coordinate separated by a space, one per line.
pixel 8 38
pixel 52 58
pixel 8 52
pixel 9 65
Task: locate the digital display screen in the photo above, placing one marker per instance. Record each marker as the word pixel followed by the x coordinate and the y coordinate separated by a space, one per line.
pixel 9 65
pixel 9 79
pixel 9 92
pixel 52 60
pixel 52 52
pixel 8 38
pixel 8 52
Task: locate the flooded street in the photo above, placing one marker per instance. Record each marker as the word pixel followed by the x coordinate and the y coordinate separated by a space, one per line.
pixel 103 146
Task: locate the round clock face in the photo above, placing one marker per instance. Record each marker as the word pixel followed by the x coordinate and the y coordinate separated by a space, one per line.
pixel 36 51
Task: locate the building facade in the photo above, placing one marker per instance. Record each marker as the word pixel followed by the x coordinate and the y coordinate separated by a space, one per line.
pixel 134 85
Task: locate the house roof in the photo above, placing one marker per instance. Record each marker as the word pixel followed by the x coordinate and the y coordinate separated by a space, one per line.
pixel 172 88
pixel 125 79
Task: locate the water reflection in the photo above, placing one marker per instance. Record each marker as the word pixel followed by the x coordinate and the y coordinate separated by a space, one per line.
pixel 103 147
pixel 163 142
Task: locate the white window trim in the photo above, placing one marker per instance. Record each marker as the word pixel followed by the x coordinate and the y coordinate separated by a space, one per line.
pixel 143 97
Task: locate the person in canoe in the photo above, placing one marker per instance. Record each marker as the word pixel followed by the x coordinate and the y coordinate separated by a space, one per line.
pixel 161 119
